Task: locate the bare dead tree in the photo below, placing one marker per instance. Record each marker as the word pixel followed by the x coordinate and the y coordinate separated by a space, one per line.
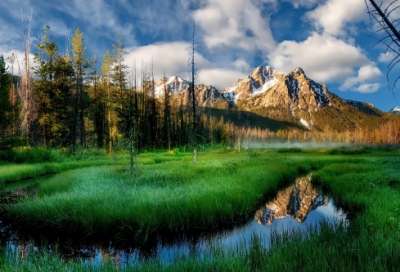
pixel 192 96
pixel 28 113
pixel 391 39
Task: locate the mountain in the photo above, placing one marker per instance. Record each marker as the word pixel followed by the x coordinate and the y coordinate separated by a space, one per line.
pixel 297 99
pixel 395 110
pixel 296 201
pixel 278 101
pixel 178 88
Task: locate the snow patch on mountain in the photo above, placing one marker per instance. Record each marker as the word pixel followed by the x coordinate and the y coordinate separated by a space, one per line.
pixel 312 123
pixel 395 110
pixel 268 84
pixel 304 122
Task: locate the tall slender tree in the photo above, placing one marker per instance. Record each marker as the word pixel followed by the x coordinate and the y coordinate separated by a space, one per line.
pixel 78 52
pixel 106 70
pixel 28 112
pixel 5 105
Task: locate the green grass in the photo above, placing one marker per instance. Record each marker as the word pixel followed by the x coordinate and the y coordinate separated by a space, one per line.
pixel 15 172
pixel 223 188
pixel 173 196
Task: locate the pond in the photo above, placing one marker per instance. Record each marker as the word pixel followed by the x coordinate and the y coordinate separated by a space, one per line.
pixel 294 208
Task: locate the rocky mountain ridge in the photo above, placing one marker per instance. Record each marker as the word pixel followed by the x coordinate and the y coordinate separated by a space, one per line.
pixel 291 98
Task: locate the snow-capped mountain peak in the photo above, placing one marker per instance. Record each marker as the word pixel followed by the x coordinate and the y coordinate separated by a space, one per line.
pixel 395 110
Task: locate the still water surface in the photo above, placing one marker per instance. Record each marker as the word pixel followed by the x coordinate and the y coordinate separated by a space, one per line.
pixel 294 208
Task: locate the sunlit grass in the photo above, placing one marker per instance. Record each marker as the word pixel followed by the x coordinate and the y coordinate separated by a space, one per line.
pixel 177 195
pixel 173 196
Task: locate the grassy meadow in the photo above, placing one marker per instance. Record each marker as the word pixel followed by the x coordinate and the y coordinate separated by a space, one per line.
pixel 96 197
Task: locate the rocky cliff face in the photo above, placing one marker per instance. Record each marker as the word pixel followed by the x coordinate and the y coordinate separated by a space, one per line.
pixel 291 98
pixel 296 201
pixel 178 89
pixel 267 88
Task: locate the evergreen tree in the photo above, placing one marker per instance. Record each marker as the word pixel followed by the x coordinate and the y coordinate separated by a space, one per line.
pixel 80 65
pixel 5 105
pixel 53 92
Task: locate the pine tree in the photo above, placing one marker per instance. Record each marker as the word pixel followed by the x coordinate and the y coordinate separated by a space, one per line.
pixel 45 89
pixel 5 105
pixel 53 92
pixel 80 64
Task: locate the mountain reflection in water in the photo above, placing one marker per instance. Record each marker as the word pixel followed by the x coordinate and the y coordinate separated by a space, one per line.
pixel 296 201
pixel 294 208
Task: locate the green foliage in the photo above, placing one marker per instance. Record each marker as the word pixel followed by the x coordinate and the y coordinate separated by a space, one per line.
pixel 290 150
pixel 349 151
pixel 53 92
pixel 5 105
pixel 28 155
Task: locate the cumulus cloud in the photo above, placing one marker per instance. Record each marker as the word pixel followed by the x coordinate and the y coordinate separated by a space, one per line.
pixel 324 58
pixel 173 59
pixel 7 51
pixel 241 65
pixel 169 57
pixel 235 24
pixel 386 57
pixel 335 15
pixel 357 83
pixel 303 3
pixel 368 88
pixel 220 78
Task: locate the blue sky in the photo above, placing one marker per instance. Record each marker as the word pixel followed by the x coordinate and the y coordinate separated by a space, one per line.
pixel 328 39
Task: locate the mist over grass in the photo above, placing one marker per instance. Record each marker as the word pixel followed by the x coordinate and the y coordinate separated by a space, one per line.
pixel 274 144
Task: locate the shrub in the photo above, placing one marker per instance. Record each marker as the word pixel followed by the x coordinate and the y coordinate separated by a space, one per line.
pixel 290 150
pixel 349 151
pixel 29 155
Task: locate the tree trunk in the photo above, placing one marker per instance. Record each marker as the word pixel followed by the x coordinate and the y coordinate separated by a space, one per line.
pixel 75 116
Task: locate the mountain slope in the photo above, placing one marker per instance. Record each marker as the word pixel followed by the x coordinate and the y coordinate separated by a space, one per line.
pixel 178 89
pixel 293 100
pixel 298 99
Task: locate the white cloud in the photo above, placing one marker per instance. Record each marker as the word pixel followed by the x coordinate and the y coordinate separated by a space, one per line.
pixel 220 78
pixel 241 65
pixel 324 58
pixel 303 3
pixel 365 73
pixel 173 59
pixel 368 88
pixel 6 52
pixel 235 24
pixel 169 57
pixel 335 15
pixel 386 57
